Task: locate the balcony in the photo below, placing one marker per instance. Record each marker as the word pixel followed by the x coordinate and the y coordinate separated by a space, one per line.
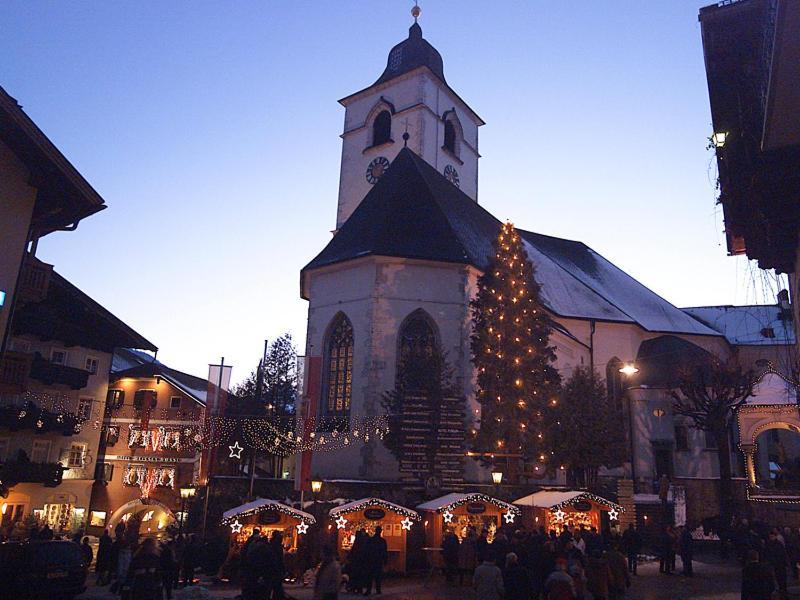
pixel 23 471
pixel 14 370
pixel 34 281
pixel 52 374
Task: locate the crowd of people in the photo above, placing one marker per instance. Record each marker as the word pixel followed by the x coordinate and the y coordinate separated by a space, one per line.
pixel 521 565
pixel 768 556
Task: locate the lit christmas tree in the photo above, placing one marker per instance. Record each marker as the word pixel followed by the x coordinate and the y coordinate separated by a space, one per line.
pixel 516 378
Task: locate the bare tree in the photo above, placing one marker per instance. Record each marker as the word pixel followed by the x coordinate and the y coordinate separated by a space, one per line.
pixel 709 395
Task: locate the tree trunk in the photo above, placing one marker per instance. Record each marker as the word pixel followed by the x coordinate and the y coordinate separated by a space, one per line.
pixel 725 475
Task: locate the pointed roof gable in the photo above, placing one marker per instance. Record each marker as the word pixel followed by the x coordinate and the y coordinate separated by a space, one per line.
pixel 414 212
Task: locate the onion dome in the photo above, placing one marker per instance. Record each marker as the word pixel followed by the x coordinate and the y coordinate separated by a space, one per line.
pixel 410 54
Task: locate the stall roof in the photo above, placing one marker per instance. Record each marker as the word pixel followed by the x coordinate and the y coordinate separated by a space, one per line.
pixel 264 504
pixel 357 505
pixel 447 501
pixel 560 498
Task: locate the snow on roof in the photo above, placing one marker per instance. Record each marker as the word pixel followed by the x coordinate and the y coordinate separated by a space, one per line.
pixel 262 505
pixel 773 388
pixel 357 505
pixel 752 325
pixel 454 499
pixel 559 498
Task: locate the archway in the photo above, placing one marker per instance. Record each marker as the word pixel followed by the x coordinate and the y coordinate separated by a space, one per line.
pixel 777 457
pixel 156 515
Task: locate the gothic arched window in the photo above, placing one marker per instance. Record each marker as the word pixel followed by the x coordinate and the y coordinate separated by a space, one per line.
pixel 339 375
pixel 382 128
pixel 417 337
pixel 614 382
pixel 450 136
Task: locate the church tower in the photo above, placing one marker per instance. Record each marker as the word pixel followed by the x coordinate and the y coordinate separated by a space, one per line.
pixel 411 96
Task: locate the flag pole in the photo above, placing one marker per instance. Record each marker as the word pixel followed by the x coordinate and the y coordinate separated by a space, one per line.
pixel 211 453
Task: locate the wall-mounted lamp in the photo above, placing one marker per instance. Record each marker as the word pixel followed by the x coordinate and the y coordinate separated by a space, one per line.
pixel 629 369
pixel 718 138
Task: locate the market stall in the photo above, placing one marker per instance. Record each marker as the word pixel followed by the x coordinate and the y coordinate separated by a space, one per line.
pixel 556 510
pixel 366 514
pixel 268 516
pixel 457 512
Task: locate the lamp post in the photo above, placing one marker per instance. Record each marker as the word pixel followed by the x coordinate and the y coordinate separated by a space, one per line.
pixel 186 494
pixel 497 479
pixel 629 370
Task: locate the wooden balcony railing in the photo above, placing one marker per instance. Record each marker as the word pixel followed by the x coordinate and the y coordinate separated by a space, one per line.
pixel 15 368
pixel 34 281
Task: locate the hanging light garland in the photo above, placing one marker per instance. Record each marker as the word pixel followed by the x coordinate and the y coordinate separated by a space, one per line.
pixel 360 505
pixel 587 496
pixel 267 506
pixel 478 497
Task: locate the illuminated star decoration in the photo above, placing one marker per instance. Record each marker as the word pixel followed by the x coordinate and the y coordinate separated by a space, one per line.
pixel 406 524
pixel 613 514
pixel 236 450
pixel 509 517
pixel 448 516
pixel 236 527
pixel 302 527
pixel 560 514
pixel 341 522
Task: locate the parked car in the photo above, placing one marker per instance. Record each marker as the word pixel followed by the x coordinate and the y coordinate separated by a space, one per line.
pixel 42 569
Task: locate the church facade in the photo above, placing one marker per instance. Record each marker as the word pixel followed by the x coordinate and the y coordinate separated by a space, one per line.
pixel 409 245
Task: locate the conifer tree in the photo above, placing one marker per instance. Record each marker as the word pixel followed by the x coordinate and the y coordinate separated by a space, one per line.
pixel 510 336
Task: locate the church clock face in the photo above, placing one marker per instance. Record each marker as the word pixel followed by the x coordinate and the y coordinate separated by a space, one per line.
pixel 451 175
pixel 376 169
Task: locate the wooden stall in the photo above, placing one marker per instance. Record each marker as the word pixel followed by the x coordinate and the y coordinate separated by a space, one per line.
pixel 458 512
pixel 268 516
pixel 367 514
pixel 556 510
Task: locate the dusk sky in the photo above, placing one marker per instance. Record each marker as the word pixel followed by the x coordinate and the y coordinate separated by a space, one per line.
pixel 211 129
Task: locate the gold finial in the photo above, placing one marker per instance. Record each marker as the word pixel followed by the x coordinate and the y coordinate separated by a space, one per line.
pixel 416 12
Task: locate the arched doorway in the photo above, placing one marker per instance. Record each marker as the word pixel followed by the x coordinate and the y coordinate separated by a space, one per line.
pixel 777 457
pixel 155 516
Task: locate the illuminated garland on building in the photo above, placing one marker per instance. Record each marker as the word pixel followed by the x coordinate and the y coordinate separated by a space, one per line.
pixel 160 438
pixel 271 506
pixel 478 497
pixel 147 478
pixel 587 496
pixel 365 503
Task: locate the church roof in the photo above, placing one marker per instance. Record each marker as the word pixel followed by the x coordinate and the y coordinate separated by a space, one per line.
pixel 752 325
pixel 411 53
pixel 414 212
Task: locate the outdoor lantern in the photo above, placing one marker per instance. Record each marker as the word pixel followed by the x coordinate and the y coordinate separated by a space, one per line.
pixel 718 138
pixel 629 369
pixel 316 486
pixel 188 492
pixel 4 508
pixel 497 477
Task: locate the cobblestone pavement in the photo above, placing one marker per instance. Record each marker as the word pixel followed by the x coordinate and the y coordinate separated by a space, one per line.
pixel 713 580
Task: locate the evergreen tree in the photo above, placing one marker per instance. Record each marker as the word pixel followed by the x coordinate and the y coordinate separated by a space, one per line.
pixel 510 335
pixel 271 388
pixel 583 429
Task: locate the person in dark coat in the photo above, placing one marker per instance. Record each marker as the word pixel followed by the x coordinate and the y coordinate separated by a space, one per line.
pixel 258 570
pixel 686 545
pixel 356 562
pixel 88 553
pixel 775 555
pixel 516 579
pixel 667 554
pixel 191 552
pixel 103 565
pixel 632 542
pixel 758 579
pixel 377 557
pixel 46 533
pixel 144 573
pixel 450 555
pixel 482 546
pixel 276 546
pixel 169 569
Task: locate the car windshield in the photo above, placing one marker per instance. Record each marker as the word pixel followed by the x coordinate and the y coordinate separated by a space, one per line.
pixel 61 553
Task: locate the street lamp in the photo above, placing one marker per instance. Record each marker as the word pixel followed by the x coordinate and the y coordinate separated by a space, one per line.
pixel 186 494
pixel 718 138
pixel 497 477
pixel 316 486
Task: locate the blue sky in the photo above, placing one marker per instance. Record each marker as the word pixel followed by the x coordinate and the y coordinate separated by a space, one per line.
pixel 211 130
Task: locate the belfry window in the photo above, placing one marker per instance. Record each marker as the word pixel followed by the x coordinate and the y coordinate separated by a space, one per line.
pixel 339 378
pixel 450 136
pixel 382 128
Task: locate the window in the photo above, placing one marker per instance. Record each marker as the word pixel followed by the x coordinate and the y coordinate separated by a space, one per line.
pixel 340 367
pixel 711 441
pixel 175 402
pixel 450 136
pixel 92 364
pixel 681 437
pixel 12 513
pixel 97 518
pixel 112 435
pixel 85 409
pixel 58 357
pixel 4 449
pixel 115 398
pixel 417 343
pixel 21 346
pixel 382 128
pixel 77 452
pixel 139 399
pixel 40 451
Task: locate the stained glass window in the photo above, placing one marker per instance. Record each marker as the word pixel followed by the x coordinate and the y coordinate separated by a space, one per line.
pixel 340 367
pixel 416 337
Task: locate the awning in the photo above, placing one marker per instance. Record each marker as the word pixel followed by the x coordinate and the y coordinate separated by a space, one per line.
pixel 557 499
pixel 264 505
pixel 357 505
